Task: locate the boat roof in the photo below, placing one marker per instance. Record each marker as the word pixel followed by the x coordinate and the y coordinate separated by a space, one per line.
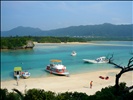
pixel 59 66
pixel 55 60
pixel 18 68
pixel 102 57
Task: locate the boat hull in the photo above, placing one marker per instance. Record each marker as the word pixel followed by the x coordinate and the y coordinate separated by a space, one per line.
pixel 93 61
pixel 26 75
pixel 61 74
pixel 73 54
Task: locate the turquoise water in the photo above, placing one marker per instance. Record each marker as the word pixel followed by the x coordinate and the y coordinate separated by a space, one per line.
pixel 37 59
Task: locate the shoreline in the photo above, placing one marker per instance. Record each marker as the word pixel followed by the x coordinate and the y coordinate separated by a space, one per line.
pixel 53 75
pixel 65 43
pixel 70 43
pixel 83 43
pixel 76 82
pixel 36 43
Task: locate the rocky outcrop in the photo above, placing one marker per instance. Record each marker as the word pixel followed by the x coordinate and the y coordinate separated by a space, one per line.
pixel 29 44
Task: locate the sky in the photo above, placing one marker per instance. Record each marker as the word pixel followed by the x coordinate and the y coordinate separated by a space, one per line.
pixel 48 15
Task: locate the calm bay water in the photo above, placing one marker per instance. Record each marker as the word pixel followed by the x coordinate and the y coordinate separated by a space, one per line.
pixel 37 59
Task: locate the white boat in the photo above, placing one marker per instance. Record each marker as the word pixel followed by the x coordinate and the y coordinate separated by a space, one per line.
pixel 98 60
pixel 73 53
pixel 25 74
pixel 56 67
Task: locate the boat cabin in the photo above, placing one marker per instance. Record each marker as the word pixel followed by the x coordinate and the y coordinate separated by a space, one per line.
pixel 101 59
pixel 17 71
pixel 56 66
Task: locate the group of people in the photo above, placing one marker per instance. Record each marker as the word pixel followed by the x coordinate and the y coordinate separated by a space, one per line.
pixel 106 78
pixel 99 77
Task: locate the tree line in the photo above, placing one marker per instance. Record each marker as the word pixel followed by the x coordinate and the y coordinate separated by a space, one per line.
pixel 12 42
pixel 52 39
pixel 18 42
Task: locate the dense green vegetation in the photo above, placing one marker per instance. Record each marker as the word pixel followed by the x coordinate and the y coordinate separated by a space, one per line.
pixel 101 30
pixel 19 42
pixel 13 42
pixel 107 93
pixel 49 39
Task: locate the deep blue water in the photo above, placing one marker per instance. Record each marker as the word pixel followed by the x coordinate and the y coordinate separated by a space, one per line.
pixel 36 60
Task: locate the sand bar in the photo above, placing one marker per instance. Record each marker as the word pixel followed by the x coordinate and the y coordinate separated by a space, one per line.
pixel 36 43
pixel 76 82
pixel 80 43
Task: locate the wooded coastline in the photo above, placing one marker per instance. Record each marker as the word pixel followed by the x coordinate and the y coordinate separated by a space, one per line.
pixel 27 42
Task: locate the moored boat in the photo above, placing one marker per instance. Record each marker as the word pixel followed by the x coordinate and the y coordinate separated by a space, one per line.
pixel 73 53
pixel 25 74
pixel 98 60
pixel 56 67
pixel 17 72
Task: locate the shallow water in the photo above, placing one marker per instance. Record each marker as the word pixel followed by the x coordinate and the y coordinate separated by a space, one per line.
pixel 37 59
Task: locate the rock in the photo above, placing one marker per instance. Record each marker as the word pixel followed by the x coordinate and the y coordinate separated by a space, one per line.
pixel 29 44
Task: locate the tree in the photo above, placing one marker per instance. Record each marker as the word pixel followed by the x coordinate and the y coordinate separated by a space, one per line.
pixel 20 95
pixel 124 69
pixel 3 93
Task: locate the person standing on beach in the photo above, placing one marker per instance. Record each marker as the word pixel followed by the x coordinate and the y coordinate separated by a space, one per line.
pixel 91 84
pixel 17 79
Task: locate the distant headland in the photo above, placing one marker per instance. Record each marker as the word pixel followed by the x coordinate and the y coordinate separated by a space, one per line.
pixel 15 43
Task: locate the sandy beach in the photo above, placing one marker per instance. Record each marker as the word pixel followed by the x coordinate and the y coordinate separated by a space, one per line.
pixel 79 43
pixel 77 82
pixel 73 43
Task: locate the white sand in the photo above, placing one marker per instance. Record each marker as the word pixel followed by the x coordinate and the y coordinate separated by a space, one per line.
pixel 77 82
pixel 36 43
pixel 79 43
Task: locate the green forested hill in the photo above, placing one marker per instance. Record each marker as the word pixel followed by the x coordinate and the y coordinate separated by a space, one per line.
pixel 104 30
pixel 101 30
